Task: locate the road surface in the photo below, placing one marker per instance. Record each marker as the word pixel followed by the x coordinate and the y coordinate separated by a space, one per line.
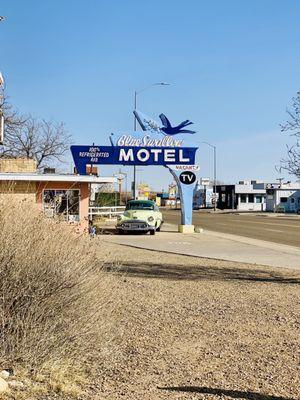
pixel 277 229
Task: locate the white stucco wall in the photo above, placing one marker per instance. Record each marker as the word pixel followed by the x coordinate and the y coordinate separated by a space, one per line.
pixel 293 200
pixel 251 206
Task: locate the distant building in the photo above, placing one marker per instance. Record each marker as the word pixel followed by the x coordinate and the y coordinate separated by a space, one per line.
pixel 203 196
pixel 171 198
pixel 143 191
pixel 260 196
pixel 283 197
pixel 244 196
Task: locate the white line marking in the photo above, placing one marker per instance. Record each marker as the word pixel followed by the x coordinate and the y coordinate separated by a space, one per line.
pixel 261 223
pixel 272 230
pixel 179 243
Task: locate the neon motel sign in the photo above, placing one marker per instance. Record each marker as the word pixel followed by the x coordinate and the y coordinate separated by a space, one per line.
pixel 143 155
pixel 160 149
pixel 131 155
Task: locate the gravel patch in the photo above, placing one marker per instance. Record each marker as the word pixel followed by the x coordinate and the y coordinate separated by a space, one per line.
pixel 197 328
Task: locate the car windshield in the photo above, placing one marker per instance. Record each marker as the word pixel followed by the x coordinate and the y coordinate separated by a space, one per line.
pixel 139 206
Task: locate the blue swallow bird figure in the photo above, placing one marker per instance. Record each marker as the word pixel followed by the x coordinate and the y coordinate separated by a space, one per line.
pixel 168 129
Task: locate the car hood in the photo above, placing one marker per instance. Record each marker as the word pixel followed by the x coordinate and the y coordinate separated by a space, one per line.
pixel 138 214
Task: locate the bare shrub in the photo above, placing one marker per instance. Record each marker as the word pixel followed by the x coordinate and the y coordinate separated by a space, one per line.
pixel 55 297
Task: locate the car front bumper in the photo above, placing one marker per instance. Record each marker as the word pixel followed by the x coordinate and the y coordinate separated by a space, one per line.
pixel 134 225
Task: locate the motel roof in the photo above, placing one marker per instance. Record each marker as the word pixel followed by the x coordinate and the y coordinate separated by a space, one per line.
pixel 35 177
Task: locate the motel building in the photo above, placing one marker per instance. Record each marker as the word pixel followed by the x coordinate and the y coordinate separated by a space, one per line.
pixel 63 195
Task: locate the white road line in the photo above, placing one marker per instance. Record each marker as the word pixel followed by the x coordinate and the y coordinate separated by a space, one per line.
pixel 272 230
pixel 265 229
pixel 180 243
pixel 261 223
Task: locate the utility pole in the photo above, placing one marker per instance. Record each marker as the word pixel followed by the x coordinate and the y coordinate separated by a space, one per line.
pixel 215 178
pixel 120 188
pixel 280 180
pixel 215 173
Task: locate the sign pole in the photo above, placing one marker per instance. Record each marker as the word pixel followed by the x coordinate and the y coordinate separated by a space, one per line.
pixel 186 181
pixel 134 128
pixel 215 178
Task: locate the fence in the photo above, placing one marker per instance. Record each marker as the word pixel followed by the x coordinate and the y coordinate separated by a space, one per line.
pixel 109 212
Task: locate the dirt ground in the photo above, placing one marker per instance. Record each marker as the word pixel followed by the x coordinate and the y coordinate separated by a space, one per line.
pixel 202 329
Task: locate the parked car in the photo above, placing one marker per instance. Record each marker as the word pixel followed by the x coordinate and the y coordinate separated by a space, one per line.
pixel 140 216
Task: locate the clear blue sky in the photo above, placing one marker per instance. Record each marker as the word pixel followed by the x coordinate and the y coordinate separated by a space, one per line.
pixel 233 65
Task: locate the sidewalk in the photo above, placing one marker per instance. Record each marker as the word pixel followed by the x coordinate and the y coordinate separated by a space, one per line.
pixel 214 245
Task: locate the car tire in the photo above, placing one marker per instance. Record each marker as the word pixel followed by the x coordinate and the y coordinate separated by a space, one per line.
pixel 158 229
pixel 152 232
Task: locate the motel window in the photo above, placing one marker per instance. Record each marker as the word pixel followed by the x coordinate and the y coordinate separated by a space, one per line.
pixel 258 199
pixel 283 199
pixel 243 198
pixel 62 203
pixel 251 198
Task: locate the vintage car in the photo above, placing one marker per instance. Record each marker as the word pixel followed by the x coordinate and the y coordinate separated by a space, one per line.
pixel 140 216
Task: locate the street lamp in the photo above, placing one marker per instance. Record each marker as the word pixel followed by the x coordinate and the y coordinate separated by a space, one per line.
pixel 120 176
pixel 136 92
pixel 215 173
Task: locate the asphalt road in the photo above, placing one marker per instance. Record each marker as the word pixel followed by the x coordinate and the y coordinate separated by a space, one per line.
pixel 280 229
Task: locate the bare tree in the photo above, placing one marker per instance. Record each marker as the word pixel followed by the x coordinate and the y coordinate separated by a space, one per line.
pixel 25 136
pixel 292 162
pixel 12 118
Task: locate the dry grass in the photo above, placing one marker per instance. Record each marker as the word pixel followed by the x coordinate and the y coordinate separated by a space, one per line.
pixel 55 300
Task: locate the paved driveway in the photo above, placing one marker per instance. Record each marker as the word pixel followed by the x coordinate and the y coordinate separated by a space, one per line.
pixel 214 245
